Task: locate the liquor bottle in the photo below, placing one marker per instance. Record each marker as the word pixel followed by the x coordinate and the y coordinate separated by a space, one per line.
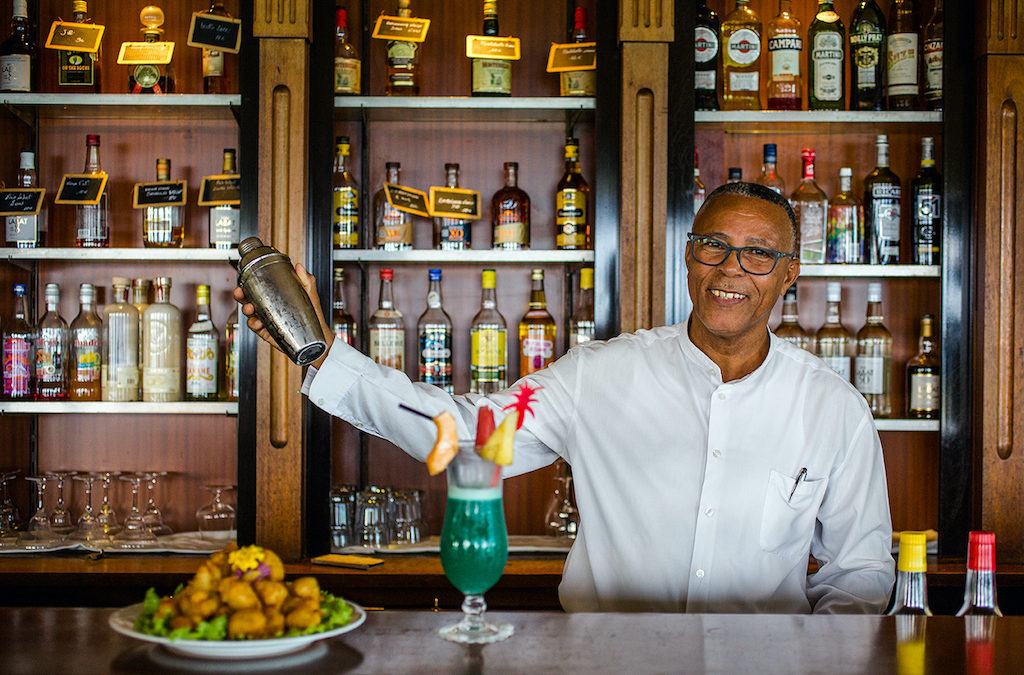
pixel 215 73
pixel 393 227
pixel 202 346
pixel 933 59
pixel 926 202
pixel 86 345
pixel 78 72
pixel 27 231
pixel 579 82
pixel 161 346
pixel 488 362
pixel 120 352
pixel 510 213
pixel 348 69
pixel 231 351
pixel 770 177
pixel 491 77
pixel 810 203
pixel 452 234
pixel 699 191
pixel 903 55
pixel 741 62
pixel 708 57
pixel 581 324
pixel 536 330
pixel 833 343
pixel 163 226
pixel 785 45
pixel 845 237
pixel 572 208
pixel 151 78
pixel 225 219
pixel 387 331
pixel 825 57
pixel 735 174
pixel 980 587
pixel 882 210
pixel 91 225
pixel 345 193
pixel 52 350
pixel 342 323
pixel 140 300
pixel 434 333
pixel 18 58
pixel 18 353
pixel 911 585
pixel 867 57
pixel 401 58
pixel 924 376
pixel 872 367
pixel 790 329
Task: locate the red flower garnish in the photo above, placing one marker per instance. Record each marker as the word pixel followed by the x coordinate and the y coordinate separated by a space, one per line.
pixel 524 397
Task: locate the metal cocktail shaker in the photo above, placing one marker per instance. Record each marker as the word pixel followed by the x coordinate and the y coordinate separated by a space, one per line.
pixel 268 278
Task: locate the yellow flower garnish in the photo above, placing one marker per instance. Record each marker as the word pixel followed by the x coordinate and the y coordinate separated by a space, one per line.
pixel 246 558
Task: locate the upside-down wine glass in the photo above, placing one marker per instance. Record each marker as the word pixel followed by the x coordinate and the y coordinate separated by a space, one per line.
pixel 89 529
pixel 38 533
pixel 135 533
pixel 153 517
pixel 8 511
pixel 216 520
pixel 107 516
pixel 60 516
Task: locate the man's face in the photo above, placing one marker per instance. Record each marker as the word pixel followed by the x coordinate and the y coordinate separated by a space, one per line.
pixel 728 302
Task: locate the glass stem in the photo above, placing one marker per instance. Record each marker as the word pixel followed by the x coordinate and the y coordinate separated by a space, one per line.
pixel 473 608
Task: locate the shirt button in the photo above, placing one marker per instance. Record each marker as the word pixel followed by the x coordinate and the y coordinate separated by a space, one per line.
pixel 721 396
pixel 320 402
pixel 709 511
pixel 700 574
pixel 716 452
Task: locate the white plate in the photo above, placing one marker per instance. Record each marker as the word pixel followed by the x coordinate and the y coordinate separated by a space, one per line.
pixel 123 621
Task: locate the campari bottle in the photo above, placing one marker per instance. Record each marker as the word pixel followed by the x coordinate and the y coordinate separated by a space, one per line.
pixel 785 47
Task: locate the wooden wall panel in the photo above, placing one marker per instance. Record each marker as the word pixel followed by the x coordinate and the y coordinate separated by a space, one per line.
pixel 1001 27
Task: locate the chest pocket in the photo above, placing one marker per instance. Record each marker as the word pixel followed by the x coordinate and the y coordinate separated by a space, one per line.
pixel 787 524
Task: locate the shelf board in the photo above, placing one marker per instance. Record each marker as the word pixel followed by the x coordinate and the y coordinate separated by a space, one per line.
pixel 907 425
pixel 871 271
pixel 482 256
pixel 133 254
pixel 125 105
pixel 463 108
pixel 108 407
pixel 819 121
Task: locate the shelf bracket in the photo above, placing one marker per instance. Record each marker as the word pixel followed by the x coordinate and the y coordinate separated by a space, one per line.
pixel 571 118
pixel 27 117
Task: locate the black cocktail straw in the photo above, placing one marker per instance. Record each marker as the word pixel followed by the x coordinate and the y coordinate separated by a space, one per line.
pixel 415 412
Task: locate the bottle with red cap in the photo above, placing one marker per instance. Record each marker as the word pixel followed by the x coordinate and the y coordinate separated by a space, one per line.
pixel 980 589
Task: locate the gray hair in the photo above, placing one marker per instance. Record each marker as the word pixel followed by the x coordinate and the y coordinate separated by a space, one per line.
pixel 756 191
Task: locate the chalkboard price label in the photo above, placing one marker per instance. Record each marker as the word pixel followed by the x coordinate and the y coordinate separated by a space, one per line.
pixel 449 202
pixel 75 37
pixel 490 47
pixel 407 199
pixel 162 193
pixel 406 29
pixel 221 190
pixel 145 53
pixel 573 56
pixel 21 202
pixel 81 188
pixel 215 32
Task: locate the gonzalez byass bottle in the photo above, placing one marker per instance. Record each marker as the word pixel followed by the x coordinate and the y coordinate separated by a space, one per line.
pixel 980 587
pixel 120 352
pixel 872 367
pixel 510 213
pixel 581 324
pixel 387 330
pixel 202 347
pixel 790 329
pixel 707 57
pixel 342 324
pixel 151 78
pixel 401 58
pixel 845 236
pixel 826 60
pixel 926 205
pixel 215 72
pixel 769 174
pixel 18 352
pixel 810 204
pixel 434 336
pixel 911 586
pixel 882 210
pixel 347 66
pixel 78 71
pixel 578 82
pixel 833 343
pixel 345 196
pixel 491 77
pixel 741 60
pixel 225 219
pixel 91 224
pixel 18 59
pixel 536 330
pixel 932 61
pixel 393 227
pixel 52 350
pixel 903 55
pixel 452 234
pixel 24 230
pixel 785 47
pixel 162 226
pixel 161 352
pixel 85 378
pixel 488 362
pixel 572 208
pixel 924 375
pixel 867 57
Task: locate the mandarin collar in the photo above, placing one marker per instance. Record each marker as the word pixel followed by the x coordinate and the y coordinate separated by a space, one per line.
pixel 693 353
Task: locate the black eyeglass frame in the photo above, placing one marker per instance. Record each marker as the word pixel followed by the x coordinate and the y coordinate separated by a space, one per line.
pixel 691 237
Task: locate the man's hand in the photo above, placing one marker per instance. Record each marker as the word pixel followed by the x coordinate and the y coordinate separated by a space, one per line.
pixel 256 326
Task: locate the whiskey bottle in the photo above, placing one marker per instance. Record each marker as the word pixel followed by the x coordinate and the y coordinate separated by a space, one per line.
pixel 151 78
pixel 770 177
pixel 510 213
pixel 833 343
pixel 92 230
pixel 52 350
pixel 231 356
pixel 162 226
pixel 903 55
pixel 491 77
pixel 707 57
pixel 24 230
pixel 867 57
pixel 785 47
pixel 387 330
pixel 434 335
pixel 741 62
pixel 488 363
pixel 345 192
pixel 933 59
pixel 161 346
pixel 699 191
pixel 980 587
pixel 78 71
pixel 882 210
pixel 911 585
pixel 342 323
pixel 348 69
pixel 872 367
pixel 215 73
pixel 393 227
pixel 452 234
pixel 225 219
pixel 926 202
pixel 120 352
pixel 579 82
pixel 845 238
pixel 18 58
pixel 924 375
pixel 536 330
pixel 826 66
pixel 581 324
pixel 789 329
pixel 18 351
pixel 402 58
pixel 572 208
pixel 86 347
pixel 202 347
pixel 810 203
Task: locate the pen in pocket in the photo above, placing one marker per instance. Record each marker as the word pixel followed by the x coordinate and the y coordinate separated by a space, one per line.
pixel 796 483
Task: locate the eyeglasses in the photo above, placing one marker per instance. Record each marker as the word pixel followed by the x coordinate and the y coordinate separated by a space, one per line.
pixel 756 260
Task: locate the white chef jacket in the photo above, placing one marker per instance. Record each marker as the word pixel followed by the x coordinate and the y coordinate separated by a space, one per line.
pixel 686 485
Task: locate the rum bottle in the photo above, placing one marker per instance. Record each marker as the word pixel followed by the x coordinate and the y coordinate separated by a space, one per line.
pixel 393 227
pixel 845 237
pixel 387 330
pixel 833 343
pixel 18 57
pixel 202 347
pixel 826 60
pixel 345 195
pixel 488 363
pixel 572 208
pixel 52 350
pixel 882 210
pixel 151 78
pixel 980 587
pixel 579 82
pixel 867 57
pixel 741 62
pixel 790 329
pixel 491 77
pixel 536 330
pixel 932 63
pixel 161 346
pixel 347 66
pixel 24 230
pixel 903 55
pixel 86 347
pixel 91 225
pixel 769 173
pixel 120 353
pixel 78 71
pixel 162 226
pixel 510 213
pixel 231 356
pixel 810 203
pixel 215 73
pixel 924 380
pixel 926 202
pixel 452 234
pixel 225 219
pixel 18 352
pixel 402 58
pixel 342 323
pixel 434 334
pixel 872 367
pixel 911 585
pixel 785 47
pixel 581 324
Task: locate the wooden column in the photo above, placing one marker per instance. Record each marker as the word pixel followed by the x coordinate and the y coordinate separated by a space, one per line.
pixel 645 31
pixel 1000 285
pixel 282 29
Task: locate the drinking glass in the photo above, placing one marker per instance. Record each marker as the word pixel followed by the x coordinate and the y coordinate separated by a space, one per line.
pixel 153 517
pixel 135 533
pixel 89 529
pixel 216 520
pixel 371 519
pixel 407 517
pixel 106 516
pixel 38 533
pixel 474 543
pixel 562 519
pixel 343 506
pixel 60 516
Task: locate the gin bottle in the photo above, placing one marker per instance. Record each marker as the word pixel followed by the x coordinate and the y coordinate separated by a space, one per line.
pixel 387 329
pixel 162 226
pixel 488 354
pixel 434 333
pixel 91 222
pixel 202 347
pixel 536 330
pixel 810 203
pixel 873 363
pixel 120 353
pixel 18 353
pixel 833 343
pixel 52 350
pixel 161 359
pixel 86 349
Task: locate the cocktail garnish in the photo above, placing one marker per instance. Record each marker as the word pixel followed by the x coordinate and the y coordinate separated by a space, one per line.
pixel 446 446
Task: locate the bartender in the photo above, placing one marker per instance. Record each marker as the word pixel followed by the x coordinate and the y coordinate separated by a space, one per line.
pixel 710 458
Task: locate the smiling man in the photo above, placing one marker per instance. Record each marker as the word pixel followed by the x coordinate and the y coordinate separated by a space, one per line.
pixel 709 458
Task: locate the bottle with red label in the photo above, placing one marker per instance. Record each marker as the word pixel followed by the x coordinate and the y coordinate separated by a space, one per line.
pixel 536 330
pixel 18 377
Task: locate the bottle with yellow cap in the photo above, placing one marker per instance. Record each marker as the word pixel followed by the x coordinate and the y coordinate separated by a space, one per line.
pixel 911 586
pixel 201 352
pixel 488 356
pixel 581 323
